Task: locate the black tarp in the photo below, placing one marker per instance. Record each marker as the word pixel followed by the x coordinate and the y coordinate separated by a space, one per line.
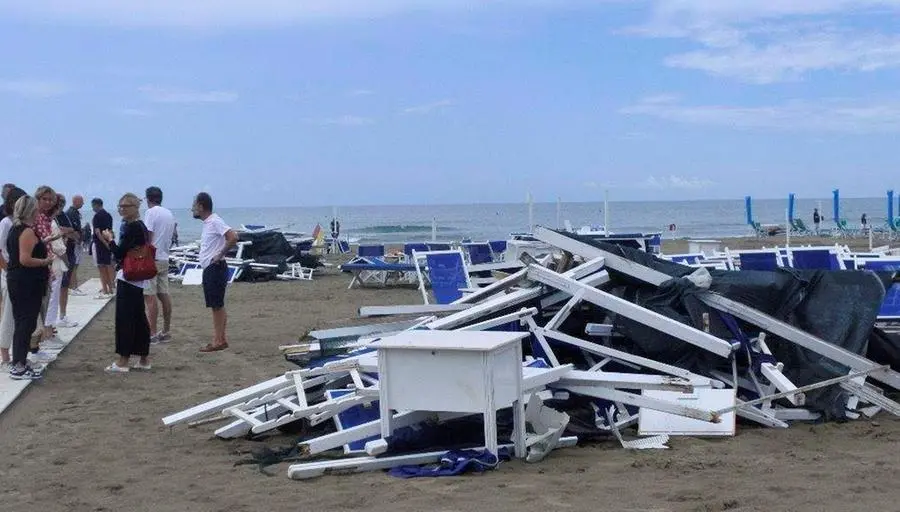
pixel 266 243
pixel 839 307
pixel 272 248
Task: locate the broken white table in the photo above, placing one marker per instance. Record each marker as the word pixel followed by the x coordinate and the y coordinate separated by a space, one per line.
pixel 452 371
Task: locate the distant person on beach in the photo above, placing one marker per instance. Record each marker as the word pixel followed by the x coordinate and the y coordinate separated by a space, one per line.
pixel 216 239
pixel 101 222
pixel 335 228
pixel 864 221
pixel 87 238
pixel 132 329
pixel 335 235
pixel 70 232
pixel 76 242
pixel 816 219
pixel 161 225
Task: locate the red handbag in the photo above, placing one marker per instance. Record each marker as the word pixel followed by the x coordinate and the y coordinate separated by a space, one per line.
pixel 140 263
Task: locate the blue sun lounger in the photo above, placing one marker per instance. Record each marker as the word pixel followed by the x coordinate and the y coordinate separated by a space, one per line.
pixel 890 308
pixel 446 272
pixel 375 271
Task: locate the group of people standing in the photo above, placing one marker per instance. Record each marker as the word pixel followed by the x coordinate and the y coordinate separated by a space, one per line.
pixel 41 245
pixel 39 241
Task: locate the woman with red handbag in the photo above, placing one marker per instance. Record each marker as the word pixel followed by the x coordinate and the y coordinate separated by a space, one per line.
pixel 135 264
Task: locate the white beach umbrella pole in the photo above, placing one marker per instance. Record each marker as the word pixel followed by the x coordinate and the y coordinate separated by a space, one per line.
pixel 787 227
pixel 606 211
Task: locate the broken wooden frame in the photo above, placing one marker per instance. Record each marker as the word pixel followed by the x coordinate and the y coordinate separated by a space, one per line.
pixel 768 323
pixel 637 313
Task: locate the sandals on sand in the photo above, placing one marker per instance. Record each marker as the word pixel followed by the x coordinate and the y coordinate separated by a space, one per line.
pixel 214 348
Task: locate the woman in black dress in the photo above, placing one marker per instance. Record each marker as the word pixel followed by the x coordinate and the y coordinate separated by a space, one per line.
pixel 132 329
pixel 27 278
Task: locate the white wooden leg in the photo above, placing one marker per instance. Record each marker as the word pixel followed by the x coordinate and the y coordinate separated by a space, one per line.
pixel 490 411
pixel 384 408
pixel 519 432
pixel 490 430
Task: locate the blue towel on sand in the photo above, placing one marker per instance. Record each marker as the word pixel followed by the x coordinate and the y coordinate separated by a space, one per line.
pixel 454 462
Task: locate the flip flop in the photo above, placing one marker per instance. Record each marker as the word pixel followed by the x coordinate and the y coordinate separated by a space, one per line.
pixel 214 348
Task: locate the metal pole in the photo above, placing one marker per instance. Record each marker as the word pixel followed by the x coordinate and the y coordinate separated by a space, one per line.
pixel 870 236
pixel 530 214
pixel 558 212
pixel 606 211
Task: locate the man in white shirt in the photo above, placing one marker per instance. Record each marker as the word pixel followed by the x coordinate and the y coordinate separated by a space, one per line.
pixel 161 224
pixel 216 239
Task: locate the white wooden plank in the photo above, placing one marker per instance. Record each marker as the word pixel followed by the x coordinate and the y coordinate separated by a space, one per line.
pixel 411 309
pixel 653 422
pixel 218 404
pixel 627 381
pixel 645 401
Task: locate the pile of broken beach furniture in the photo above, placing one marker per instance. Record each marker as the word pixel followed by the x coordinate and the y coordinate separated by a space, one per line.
pixel 595 340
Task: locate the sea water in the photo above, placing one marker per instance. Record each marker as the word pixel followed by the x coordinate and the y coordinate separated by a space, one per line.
pixel 399 223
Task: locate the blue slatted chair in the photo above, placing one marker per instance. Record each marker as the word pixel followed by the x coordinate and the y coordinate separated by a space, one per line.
pixel 816 259
pixel 762 260
pixel 371 251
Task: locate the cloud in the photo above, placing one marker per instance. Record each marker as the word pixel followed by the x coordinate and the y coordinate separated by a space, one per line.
pixel 361 92
pixel 791 58
pixel 829 115
pixel 428 107
pixel 768 41
pixel 134 112
pixel 37 89
pixel 169 95
pixel 345 120
pixel 677 182
pixel 219 14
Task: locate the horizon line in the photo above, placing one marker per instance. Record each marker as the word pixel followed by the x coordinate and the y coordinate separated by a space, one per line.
pixel 525 203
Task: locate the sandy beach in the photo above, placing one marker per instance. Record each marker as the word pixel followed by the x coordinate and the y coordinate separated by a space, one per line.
pixel 82 440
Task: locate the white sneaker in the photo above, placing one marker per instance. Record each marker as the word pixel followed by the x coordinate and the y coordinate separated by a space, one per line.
pixel 5 366
pixel 65 323
pixel 114 368
pixel 76 292
pixel 41 357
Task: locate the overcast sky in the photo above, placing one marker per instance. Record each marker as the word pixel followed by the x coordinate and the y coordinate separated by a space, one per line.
pixel 321 102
